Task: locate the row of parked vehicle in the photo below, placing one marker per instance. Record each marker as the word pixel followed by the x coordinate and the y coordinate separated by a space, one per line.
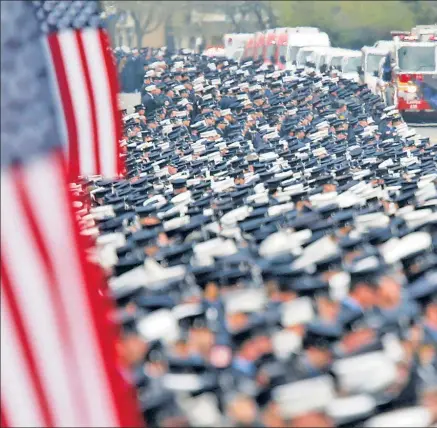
pixel 402 71
pixel 302 46
pixel 275 46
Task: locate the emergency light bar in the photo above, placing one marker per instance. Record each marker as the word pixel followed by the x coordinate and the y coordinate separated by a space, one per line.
pixel 428 37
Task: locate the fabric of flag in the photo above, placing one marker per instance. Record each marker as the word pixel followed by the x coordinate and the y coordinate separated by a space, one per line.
pixel 58 352
pixel 85 82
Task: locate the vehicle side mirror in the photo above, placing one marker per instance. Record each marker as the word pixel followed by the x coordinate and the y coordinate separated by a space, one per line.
pixel 375 73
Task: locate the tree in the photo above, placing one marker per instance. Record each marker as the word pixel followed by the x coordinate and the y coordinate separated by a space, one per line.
pixel 425 12
pixel 237 15
pixel 147 16
pixel 349 23
pixel 244 16
pixel 249 16
pixel 264 14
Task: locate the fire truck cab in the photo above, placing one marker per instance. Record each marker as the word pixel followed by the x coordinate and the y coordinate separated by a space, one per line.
pixel 311 55
pixel 281 48
pixel 249 48
pixel 282 35
pixel 270 47
pixel 260 45
pixel 350 64
pixel 297 40
pixel 414 75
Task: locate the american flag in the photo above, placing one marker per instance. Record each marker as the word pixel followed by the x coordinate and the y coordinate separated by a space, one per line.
pixel 58 352
pixel 85 84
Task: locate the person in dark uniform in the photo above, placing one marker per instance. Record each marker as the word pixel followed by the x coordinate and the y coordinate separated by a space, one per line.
pixel 147 81
pixel 300 135
pixel 167 97
pixel 151 100
pixel 278 262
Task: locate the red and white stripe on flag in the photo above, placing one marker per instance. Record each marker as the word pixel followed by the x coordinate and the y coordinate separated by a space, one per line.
pixel 58 356
pixel 86 85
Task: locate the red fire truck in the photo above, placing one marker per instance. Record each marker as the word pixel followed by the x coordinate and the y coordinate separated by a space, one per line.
pixel 414 72
pixel 281 48
pixel 270 48
pixel 260 45
pixel 249 48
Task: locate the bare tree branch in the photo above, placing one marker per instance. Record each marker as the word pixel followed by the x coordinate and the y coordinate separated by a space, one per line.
pixel 256 10
pixel 148 20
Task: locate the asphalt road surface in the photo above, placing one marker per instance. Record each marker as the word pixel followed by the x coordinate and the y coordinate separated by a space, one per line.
pixel 129 100
pixel 426 131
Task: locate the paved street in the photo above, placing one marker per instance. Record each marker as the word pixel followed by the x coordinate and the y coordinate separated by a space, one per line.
pixel 427 131
pixel 129 100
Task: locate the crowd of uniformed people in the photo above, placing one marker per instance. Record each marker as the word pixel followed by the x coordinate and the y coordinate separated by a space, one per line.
pixel 271 249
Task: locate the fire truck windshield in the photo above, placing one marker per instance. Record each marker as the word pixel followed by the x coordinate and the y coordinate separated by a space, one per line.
pixel 292 52
pixel 417 58
pixel 372 62
pixel 351 64
pixel 336 62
